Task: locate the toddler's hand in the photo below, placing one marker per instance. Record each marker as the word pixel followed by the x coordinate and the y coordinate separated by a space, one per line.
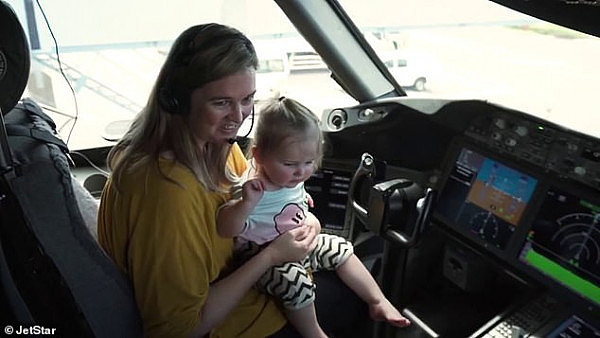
pixel 252 191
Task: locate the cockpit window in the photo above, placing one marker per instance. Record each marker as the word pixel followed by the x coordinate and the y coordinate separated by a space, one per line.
pixel 481 50
pixel 109 54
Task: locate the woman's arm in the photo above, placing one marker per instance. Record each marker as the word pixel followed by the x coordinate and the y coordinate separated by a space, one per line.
pixel 232 215
pixel 226 293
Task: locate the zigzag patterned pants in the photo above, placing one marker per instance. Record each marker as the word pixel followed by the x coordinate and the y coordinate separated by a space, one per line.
pixel 292 282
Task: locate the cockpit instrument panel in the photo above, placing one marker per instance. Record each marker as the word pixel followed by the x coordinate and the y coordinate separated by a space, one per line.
pixel 551 148
pixel 484 198
pixel 563 243
pixel 548 228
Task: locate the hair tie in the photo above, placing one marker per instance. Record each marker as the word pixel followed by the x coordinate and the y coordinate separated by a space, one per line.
pixel 281 98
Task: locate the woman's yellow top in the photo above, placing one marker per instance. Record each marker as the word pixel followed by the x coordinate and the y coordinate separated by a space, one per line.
pixel 163 236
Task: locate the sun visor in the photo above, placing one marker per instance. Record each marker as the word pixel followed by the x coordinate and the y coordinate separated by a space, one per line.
pixel 14 58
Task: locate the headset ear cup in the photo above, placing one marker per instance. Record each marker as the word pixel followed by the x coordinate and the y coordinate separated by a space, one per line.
pixel 167 101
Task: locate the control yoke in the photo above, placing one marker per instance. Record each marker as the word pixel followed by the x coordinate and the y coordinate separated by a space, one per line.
pixel 390 204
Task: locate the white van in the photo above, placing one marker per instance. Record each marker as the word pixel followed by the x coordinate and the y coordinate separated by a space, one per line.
pixel 406 69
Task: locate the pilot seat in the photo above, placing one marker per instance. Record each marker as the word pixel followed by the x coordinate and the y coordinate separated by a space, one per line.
pixel 54 277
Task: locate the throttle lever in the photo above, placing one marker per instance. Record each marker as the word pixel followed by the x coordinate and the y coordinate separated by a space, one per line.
pixel 378 206
pixel 423 206
pixel 412 206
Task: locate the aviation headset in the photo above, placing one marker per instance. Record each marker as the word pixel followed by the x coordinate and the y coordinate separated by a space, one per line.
pixel 174 91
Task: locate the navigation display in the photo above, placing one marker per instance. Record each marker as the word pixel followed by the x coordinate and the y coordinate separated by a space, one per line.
pixel 564 243
pixel 484 197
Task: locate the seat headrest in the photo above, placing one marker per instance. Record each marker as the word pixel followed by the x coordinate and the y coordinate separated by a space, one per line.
pixel 14 58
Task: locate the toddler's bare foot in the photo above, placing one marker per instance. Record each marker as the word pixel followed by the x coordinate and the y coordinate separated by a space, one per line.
pixel 385 311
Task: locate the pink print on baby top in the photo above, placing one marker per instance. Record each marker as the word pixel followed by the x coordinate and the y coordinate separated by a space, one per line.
pixel 290 217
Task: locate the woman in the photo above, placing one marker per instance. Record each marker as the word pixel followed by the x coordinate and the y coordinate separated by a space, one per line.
pixel 170 173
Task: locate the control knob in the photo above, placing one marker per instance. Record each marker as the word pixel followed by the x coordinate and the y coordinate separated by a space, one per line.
pixel 521 130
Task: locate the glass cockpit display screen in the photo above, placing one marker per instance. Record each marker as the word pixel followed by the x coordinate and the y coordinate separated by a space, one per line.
pixel 484 197
pixel 564 243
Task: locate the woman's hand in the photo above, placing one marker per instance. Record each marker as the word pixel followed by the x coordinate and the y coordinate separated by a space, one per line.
pixel 292 245
pixel 313 221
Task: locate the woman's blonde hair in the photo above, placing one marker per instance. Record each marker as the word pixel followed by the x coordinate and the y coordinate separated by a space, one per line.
pixel 201 54
pixel 282 118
